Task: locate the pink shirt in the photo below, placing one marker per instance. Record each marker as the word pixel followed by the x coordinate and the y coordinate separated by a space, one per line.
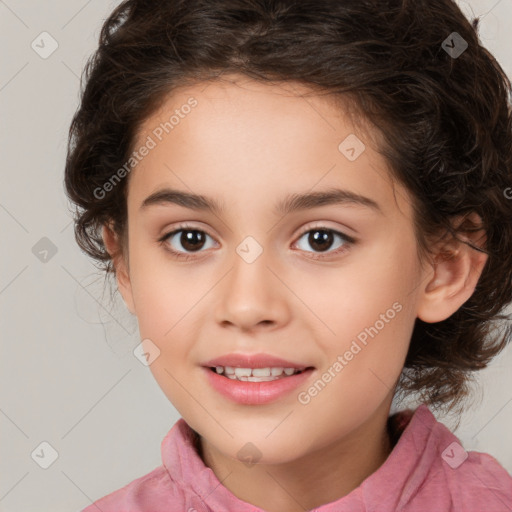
pixel 427 471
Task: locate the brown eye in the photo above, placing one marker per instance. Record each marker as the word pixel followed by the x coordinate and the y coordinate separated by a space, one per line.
pixel 192 240
pixel 321 239
pixel 184 240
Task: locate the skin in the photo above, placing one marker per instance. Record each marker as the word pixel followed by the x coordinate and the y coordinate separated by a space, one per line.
pixel 247 145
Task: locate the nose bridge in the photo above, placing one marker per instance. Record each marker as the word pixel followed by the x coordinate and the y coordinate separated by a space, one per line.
pixel 250 277
pixel 252 294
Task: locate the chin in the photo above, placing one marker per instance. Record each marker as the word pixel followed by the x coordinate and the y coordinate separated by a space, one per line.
pixel 251 447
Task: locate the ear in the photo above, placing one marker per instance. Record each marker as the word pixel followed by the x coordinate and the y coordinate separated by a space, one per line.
pixel 121 269
pixel 456 270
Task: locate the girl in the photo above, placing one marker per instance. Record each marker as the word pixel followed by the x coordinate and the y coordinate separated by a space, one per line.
pixel 307 206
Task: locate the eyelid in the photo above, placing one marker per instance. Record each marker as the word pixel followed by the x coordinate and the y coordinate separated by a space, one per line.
pixel 184 226
pixel 324 225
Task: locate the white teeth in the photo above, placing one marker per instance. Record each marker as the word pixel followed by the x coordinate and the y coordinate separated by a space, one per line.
pixel 243 372
pixel 261 372
pixel 255 374
pixel 261 379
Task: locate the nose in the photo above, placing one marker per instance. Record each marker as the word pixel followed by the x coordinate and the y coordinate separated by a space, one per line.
pixel 253 296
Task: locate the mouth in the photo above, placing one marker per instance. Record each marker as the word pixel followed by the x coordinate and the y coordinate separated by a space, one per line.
pixel 257 386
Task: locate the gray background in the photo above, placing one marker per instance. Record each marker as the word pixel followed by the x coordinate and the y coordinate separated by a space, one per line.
pixel 68 374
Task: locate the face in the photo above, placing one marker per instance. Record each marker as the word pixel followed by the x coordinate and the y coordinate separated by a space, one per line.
pixel 329 285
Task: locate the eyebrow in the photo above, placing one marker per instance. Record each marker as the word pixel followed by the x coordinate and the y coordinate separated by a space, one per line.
pixel 291 203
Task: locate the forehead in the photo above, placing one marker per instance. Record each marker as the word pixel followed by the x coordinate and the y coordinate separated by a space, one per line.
pixel 228 138
pixel 234 97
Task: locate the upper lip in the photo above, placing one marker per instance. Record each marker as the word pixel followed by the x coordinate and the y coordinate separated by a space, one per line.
pixel 254 361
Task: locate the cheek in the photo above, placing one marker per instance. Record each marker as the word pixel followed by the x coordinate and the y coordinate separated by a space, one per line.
pixel 165 303
pixel 371 313
pixel 171 303
pixel 157 294
pixel 358 294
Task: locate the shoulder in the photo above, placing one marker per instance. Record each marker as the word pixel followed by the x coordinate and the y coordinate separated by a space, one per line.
pixel 478 483
pixel 144 494
pixel 432 470
pixel 471 481
pixel 174 485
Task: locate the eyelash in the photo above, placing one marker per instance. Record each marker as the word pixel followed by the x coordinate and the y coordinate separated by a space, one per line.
pixel 349 241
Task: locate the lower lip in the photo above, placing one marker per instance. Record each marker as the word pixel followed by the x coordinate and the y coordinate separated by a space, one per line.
pixel 256 393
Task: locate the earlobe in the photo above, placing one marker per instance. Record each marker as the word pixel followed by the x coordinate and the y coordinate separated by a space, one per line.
pixel 457 268
pixel 121 271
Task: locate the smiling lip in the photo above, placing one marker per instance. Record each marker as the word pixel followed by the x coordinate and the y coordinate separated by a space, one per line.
pixel 253 361
pixel 255 393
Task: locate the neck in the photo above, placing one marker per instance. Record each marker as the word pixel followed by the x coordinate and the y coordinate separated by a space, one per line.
pixel 319 477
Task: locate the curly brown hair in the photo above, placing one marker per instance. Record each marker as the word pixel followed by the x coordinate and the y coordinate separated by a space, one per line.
pixel 445 122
